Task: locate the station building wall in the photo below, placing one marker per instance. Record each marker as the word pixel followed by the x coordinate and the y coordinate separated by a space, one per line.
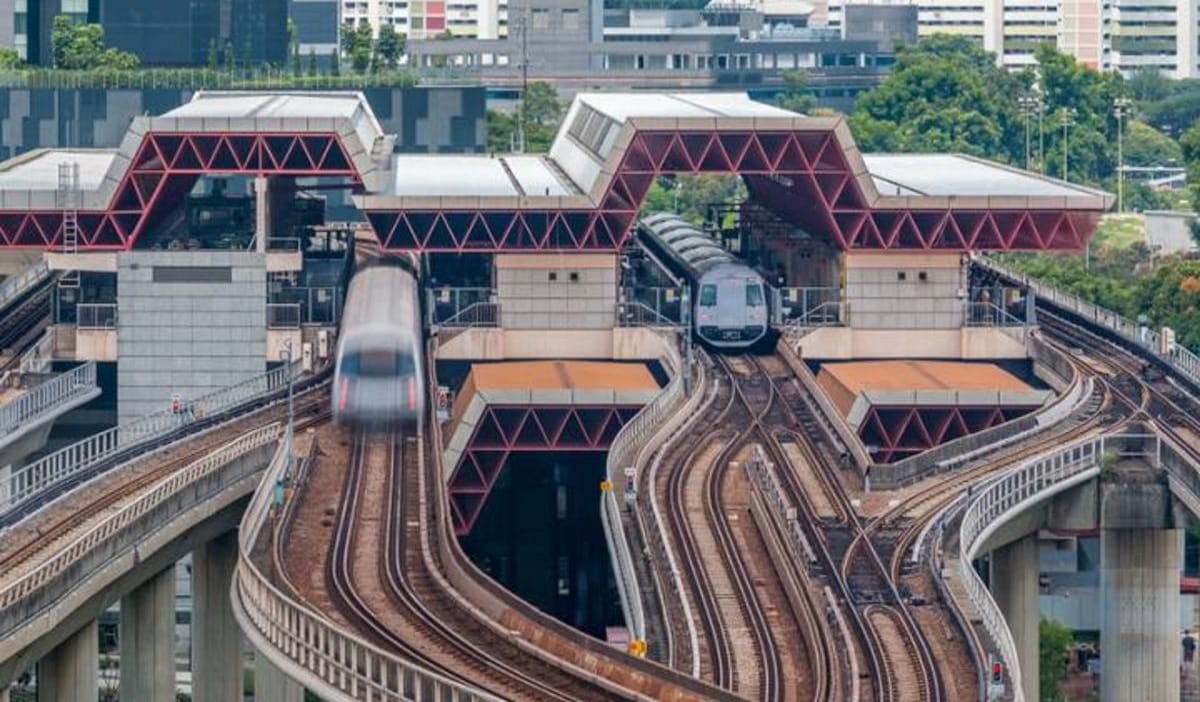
pixel 188 323
pixel 905 291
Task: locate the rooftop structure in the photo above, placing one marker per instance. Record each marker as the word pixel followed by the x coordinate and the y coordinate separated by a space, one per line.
pixel 582 196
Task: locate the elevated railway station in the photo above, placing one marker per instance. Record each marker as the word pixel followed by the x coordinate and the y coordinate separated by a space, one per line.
pixel 776 500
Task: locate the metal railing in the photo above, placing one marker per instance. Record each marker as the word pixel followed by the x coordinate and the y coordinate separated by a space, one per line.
pixel 140 517
pixel 1177 356
pixel 37 358
pixel 321 305
pixel 283 315
pixel 811 306
pixel 15 286
pixel 1006 496
pixel 988 314
pixel 637 314
pixel 455 307
pixel 27 482
pixel 96 315
pixel 331 661
pixel 621 455
pixel 665 303
pixel 64 387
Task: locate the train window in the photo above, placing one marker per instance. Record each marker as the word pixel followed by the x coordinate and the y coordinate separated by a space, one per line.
pixel 754 296
pixel 708 295
pixel 379 363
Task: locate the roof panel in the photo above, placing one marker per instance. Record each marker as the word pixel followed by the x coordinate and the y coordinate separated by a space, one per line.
pixel 449 176
pixel 562 375
pixel 240 105
pixel 39 170
pixel 859 376
pixel 953 174
pixel 538 176
pixel 622 106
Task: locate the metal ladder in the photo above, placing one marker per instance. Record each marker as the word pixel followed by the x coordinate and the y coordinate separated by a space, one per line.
pixel 68 197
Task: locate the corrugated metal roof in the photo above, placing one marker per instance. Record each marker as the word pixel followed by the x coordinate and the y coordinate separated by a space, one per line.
pixel 38 170
pixel 958 175
pixel 911 375
pixel 561 375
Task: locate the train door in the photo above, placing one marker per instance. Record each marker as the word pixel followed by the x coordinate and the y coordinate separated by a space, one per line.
pixel 731 307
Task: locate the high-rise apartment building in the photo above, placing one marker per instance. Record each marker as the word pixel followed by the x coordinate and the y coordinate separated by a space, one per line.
pixel 1126 35
pixel 427 19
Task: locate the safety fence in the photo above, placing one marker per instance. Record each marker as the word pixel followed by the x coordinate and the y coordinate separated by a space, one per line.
pixel 66 387
pixel 15 286
pixel 96 315
pixel 1003 498
pixel 121 530
pixel 34 479
pixel 807 306
pixel 312 649
pixel 621 458
pixel 1171 353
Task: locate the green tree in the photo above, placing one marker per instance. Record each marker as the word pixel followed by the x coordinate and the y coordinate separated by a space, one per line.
pixel 1190 145
pixel 390 46
pixel 1144 145
pixel 944 94
pixel 335 63
pixel 213 59
pixel 1177 111
pixel 230 59
pixel 9 58
pixel 294 45
pixel 541 104
pixel 690 196
pixel 796 95
pixel 80 46
pixel 312 62
pixel 1148 84
pixel 1053 640
pixel 1067 84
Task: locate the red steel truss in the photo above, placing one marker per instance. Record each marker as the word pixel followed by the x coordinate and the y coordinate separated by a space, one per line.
pixel 165 169
pixel 897 432
pixel 506 429
pixel 802 175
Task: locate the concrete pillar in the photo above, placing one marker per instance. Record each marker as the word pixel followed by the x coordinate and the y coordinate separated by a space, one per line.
pixel 216 639
pixel 69 673
pixel 148 640
pixel 1014 574
pixel 4 694
pixel 1139 619
pixel 262 213
pixel 271 685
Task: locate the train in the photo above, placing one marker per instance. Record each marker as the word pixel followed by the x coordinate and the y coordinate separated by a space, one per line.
pixel 729 298
pixel 379 378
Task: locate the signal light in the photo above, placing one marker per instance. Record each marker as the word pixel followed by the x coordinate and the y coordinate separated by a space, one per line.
pixel 997 673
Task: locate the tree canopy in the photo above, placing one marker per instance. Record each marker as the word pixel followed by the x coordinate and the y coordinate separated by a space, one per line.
pixel 944 94
pixel 80 46
pixel 542 111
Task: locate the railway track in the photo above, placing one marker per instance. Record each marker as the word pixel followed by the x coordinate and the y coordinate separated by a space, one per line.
pixel 381 581
pixel 47 529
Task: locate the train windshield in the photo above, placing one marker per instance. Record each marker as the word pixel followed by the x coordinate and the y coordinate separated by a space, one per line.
pixel 754 295
pixel 708 295
pixel 377 363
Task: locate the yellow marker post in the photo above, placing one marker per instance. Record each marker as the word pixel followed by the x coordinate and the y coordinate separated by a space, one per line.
pixel 606 485
pixel 637 647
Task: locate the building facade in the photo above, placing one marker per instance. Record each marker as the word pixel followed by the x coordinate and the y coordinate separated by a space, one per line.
pixel 427 19
pixel 317 24
pixel 1125 35
pixel 182 33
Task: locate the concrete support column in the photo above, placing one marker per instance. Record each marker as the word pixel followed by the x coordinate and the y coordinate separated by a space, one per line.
pixel 5 696
pixel 1139 620
pixel 1014 575
pixel 262 213
pixel 69 673
pixel 271 685
pixel 148 640
pixel 216 639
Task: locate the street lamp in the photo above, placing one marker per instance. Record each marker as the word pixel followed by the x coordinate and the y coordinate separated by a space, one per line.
pixel 286 353
pixel 1067 118
pixel 1120 109
pixel 1029 104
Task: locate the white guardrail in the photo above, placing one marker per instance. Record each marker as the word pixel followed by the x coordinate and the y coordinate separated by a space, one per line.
pixel 28 481
pixel 125 517
pixel 1007 495
pixel 621 455
pixel 311 649
pixel 1176 355
pixel 64 387
pixel 14 286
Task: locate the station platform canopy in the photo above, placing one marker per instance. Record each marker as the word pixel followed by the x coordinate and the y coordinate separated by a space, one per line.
pixel 583 195
pixel 903 407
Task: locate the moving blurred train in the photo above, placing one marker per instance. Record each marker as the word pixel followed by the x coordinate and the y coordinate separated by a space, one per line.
pixel 379 379
pixel 729 298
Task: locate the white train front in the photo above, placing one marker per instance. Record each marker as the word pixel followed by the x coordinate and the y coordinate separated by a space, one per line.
pixel 379 379
pixel 729 298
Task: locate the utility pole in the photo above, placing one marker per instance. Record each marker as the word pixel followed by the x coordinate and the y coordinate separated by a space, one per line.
pixel 523 28
pixel 1029 104
pixel 1067 116
pixel 1041 107
pixel 1120 109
